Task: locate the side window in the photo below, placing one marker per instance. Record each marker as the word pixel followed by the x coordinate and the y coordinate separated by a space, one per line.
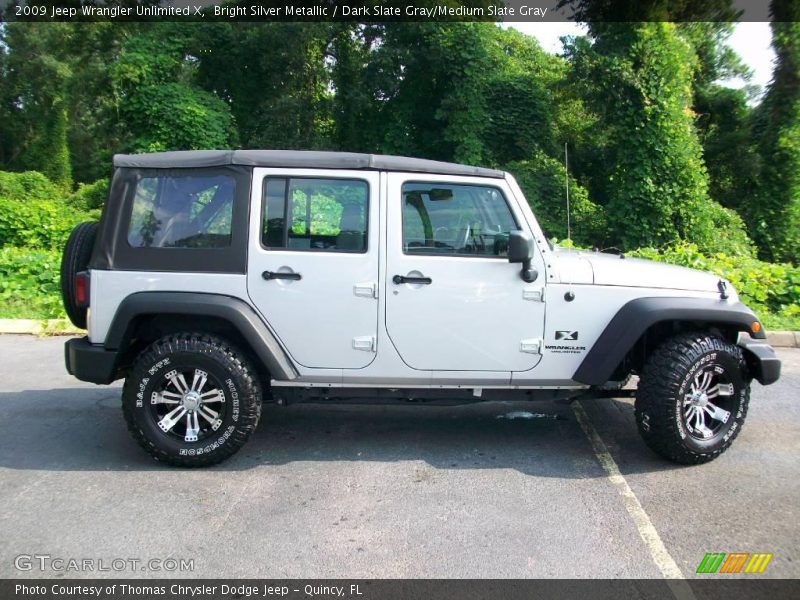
pixel 462 220
pixel 315 214
pixel 182 212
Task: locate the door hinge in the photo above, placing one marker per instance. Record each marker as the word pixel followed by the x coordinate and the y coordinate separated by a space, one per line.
pixel 532 346
pixel 533 294
pixel 365 343
pixel 366 290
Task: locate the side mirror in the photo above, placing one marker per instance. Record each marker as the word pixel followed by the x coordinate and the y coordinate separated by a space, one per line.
pixel 520 250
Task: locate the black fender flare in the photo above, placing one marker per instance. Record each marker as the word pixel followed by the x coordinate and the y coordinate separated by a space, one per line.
pixel 637 316
pixel 233 310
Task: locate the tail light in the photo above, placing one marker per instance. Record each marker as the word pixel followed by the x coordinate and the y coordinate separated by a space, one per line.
pixel 82 289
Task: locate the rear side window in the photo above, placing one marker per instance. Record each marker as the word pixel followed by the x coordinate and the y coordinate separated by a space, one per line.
pixel 315 214
pixel 182 212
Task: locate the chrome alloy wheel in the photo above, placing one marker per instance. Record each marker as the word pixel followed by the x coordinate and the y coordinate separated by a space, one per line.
pixel 708 403
pixel 188 412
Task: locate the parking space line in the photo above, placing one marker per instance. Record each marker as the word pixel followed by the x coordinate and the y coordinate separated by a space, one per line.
pixel 647 531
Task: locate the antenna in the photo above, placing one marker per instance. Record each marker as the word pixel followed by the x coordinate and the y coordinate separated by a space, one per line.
pixel 566 184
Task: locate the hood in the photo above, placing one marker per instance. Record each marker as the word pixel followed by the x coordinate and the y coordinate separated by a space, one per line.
pixel 610 269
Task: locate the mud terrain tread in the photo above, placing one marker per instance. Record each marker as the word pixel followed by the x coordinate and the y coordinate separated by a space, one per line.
pixel 214 347
pixel 660 382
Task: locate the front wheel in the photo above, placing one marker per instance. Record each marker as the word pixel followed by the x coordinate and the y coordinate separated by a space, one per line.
pixel 191 400
pixel 692 398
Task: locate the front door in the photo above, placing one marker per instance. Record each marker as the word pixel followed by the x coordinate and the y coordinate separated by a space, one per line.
pixel 313 263
pixel 453 301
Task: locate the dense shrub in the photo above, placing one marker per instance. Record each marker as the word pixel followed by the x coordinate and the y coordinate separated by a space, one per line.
pixel 29 283
pixel 90 196
pixel 772 290
pixel 174 116
pixel 542 181
pixel 38 223
pixel 34 214
pixel 29 185
pixel 724 232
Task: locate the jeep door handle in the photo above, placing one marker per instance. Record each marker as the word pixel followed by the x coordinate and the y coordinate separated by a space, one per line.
pixel 276 275
pixel 399 279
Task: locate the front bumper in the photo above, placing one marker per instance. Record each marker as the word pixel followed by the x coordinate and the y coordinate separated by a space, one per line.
pixel 761 360
pixel 90 362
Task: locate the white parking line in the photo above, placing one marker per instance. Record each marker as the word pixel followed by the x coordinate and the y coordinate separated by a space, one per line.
pixel 658 551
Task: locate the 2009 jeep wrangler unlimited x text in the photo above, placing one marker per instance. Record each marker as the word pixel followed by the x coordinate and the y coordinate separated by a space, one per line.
pixel 218 279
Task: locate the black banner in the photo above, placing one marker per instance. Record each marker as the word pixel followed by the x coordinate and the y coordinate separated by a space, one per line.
pixel 366 11
pixel 222 589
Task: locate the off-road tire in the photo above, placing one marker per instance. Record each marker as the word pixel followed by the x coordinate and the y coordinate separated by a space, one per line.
pixel 77 253
pixel 663 387
pixel 226 365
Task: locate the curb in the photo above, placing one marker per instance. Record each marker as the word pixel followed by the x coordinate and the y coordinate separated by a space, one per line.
pixel 39 327
pixel 784 339
pixel 776 339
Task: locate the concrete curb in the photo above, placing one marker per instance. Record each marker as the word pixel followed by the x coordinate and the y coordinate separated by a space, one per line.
pixel 776 339
pixel 39 327
pixel 784 339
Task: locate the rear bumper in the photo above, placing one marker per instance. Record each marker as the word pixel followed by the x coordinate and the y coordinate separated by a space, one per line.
pixel 761 360
pixel 90 362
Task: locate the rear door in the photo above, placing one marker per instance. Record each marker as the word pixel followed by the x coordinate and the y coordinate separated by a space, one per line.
pixel 313 262
pixel 453 301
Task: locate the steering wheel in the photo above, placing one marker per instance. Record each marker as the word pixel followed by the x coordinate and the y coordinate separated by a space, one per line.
pixel 438 229
pixel 467 233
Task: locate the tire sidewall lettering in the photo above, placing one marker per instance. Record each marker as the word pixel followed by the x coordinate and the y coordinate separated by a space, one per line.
pixel 140 394
pixel 230 390
pixel 234 395
pixel 716 358
pixel 209 447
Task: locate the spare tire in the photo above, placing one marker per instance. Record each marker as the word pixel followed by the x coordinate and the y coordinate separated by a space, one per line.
pixel 77 253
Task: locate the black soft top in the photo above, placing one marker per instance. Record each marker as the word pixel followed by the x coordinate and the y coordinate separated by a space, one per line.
pixel 297 159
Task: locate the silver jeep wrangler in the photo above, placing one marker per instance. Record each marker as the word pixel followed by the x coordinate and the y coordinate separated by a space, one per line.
pixel 216 280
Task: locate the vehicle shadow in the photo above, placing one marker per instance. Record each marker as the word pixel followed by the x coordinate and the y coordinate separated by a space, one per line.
pixel 82 429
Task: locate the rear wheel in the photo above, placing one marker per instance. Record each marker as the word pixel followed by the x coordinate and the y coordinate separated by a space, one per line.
pixel 191 400
pixel 77 252
pixel 693 398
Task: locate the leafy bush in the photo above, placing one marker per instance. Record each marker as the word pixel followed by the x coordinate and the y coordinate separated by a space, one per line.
pixel 30 185
pixel 542 181
pixel 34 214
pixel 650 176
pixel 772 290
pixel 174 116
pixel 29 283
pixel 38 223
pixel 90 196
pixel 723 231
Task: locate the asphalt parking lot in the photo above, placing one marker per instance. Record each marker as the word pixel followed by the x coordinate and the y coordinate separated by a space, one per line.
pixel 387 491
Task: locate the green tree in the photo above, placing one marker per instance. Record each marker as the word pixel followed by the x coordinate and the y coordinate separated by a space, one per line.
pixel 58 112
pixel 774 212
pixel 656 184
pixel 354 104
pixel 429 82
pixel 6 102
pixel 723 120
pixel 96 130
pixel 160 105
pixel 722 114
pixel 522 100
pixel 543 179
pixel 630 11
pixel 35 98
pixel 275 78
